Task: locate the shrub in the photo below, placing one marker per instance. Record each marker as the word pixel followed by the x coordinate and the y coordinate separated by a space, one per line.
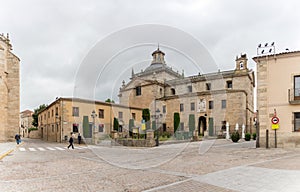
pixel 32 129
pixel 247 136
pixel 254 136
pixel 235 136
pixel 176 121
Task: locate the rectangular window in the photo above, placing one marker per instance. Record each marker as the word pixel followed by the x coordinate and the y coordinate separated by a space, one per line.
pixel 190 89
pixel 138 91
pixel 208 86
pixel 101 113
pixel 52 128
pixel 223 104
pixel 133 116
pixel 182 126
pixel 75 112
pixel 181 107
pixel 56 111
pixel 297 121
pixel 229 84
pixel 297 87
pixel 164 109
pixel 120 115
pixel 192 106
pixel 75 128
pixel 211 104
pixel 101 127
pixel 48 114
pixel 52 113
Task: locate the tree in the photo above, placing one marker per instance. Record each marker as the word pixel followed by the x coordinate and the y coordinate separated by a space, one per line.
pixel 146 117
pixel 109 101
pixel 191 123
pixel 35 121
pixel 116 124
pixel 131 125
pixel 176 121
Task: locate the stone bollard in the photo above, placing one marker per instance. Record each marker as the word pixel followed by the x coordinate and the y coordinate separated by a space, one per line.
pixel 237 127
pixel 243 131
pixel 227 131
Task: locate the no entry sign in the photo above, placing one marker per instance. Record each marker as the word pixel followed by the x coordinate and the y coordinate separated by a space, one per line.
pixel 275 120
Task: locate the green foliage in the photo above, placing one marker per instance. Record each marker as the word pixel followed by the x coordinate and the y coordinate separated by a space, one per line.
pixel 247 136
pixel 191 123
pixel 176 121
pixel 254 136
pixel 131 124
pixel 116 124
pixel 235 136
pixel 109 101
pixel 146 117
pixel 35 121
pixel 166 135
pixel 32 129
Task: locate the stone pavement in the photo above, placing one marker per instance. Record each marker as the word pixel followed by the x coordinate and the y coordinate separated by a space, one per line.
pixel 6 148
pixel 211 165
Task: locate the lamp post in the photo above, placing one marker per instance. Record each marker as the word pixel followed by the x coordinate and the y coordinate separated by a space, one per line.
pixel 156 122
pixel 94 115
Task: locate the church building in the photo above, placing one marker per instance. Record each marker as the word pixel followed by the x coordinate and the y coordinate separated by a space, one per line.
pixel 9 90
pixel 212 100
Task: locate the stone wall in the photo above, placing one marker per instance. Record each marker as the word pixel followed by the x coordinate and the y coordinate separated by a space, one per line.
pixel 9 92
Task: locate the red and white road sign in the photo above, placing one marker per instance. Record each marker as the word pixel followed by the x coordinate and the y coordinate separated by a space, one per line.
pixel 275 120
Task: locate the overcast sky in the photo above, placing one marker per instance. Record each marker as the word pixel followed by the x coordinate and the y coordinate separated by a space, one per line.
pixel 57 40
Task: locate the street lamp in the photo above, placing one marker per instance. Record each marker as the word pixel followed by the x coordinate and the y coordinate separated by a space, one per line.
pixel 157 132
pixel 94 115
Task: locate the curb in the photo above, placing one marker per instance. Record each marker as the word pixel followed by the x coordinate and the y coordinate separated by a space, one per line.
pixel 5 154
pixel 9 151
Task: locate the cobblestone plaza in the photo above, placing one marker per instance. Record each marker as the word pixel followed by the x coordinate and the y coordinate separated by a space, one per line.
pixel 211 165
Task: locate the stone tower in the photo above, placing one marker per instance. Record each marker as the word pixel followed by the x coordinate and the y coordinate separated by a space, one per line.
pixel 9 90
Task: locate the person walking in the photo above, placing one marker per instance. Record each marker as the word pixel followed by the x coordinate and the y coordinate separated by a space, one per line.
pixel 18 138
pixel 79 138
pixel 71 142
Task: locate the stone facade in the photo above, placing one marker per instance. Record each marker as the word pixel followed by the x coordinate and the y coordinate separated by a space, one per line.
pixel 213 99
pixel 9 90
pixel 25 122
pixel 278 91
pixel 66 115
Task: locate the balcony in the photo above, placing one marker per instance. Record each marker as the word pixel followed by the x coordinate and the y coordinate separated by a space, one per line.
pixel 294 96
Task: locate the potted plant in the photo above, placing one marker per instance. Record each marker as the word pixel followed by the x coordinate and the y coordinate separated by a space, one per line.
pixel 247 137
pixel 235 136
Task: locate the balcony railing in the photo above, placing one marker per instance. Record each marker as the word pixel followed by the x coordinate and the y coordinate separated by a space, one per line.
pixel 294 96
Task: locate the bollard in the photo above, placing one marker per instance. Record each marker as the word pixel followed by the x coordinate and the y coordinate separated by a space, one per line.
pixel 267 138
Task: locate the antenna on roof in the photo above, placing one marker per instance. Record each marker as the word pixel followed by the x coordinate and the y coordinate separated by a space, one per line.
pixel 266 49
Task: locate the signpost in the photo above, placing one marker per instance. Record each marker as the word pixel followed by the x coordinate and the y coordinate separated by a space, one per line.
pixel 275 125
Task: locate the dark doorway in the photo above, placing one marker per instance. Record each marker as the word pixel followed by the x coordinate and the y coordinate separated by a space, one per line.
pixel 164 127
pixel 201 125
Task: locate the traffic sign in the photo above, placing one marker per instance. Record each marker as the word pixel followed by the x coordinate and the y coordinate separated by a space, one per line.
pixel 275 120
pixel 275 126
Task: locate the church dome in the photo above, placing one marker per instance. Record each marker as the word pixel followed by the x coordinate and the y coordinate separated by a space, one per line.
pixel 158 60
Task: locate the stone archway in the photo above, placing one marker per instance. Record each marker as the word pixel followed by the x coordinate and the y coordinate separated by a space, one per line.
pixel 201 125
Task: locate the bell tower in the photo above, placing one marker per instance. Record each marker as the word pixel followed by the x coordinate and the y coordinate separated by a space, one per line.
pixel 158 57
pixel 241 63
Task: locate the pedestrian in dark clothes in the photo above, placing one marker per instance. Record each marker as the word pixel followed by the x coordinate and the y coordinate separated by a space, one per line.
pixel 18 138
pixel 71 142
pixel 79 138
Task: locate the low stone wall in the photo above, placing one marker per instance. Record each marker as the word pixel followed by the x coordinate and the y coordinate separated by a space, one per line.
pixel 135 142
pixel 34 134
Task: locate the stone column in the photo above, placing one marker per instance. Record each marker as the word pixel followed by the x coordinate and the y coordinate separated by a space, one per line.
pixel 227 131
pixel 243 131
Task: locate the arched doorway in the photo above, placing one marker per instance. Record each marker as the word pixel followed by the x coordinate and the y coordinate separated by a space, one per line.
pixel 201 125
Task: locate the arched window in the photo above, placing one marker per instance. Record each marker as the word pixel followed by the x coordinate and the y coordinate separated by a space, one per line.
pixel 173 91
